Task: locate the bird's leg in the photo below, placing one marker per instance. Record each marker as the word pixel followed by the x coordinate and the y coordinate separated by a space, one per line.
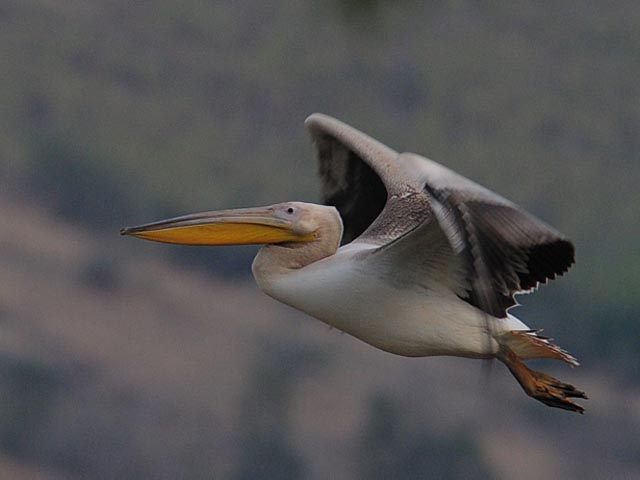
pixel 540 386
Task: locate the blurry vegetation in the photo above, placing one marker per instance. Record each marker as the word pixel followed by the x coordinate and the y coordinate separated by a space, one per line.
pixel 231 262
pixel 28 394
pixel 101 274
pixel 267 450
pixel 77 185
pixel 392 447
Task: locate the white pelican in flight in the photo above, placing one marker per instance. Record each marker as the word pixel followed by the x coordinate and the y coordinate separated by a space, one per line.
pixel 429 264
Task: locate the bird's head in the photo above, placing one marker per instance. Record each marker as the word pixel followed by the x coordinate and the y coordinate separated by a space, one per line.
pixel 287 224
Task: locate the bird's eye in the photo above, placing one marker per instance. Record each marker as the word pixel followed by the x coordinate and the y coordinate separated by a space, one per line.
pixel 290 210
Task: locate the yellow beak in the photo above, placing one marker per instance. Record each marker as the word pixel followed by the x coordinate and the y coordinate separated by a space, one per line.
pixel 243 226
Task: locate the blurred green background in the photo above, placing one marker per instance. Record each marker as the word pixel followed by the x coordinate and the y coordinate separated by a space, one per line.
pixel 124 359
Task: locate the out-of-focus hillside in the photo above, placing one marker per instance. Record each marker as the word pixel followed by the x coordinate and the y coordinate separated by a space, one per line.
pixel 121 366
pixel 117 361
pixel 117 112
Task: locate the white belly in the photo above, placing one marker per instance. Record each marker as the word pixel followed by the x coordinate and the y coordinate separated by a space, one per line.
pixel 411 321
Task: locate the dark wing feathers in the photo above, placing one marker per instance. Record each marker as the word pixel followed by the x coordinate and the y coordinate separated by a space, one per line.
pixel 412 207
pixel 350 185
pixel 506 249
pixel 359 174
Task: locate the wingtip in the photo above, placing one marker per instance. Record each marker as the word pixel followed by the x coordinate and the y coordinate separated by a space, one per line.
pixel 317 119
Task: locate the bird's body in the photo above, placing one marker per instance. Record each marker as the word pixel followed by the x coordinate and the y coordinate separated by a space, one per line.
pixel 345 291
pixel 429 264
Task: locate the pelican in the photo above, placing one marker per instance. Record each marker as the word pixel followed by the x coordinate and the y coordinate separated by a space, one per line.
pixel 405 255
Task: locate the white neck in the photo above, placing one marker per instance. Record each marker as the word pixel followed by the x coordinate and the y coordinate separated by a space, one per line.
pixel 275 260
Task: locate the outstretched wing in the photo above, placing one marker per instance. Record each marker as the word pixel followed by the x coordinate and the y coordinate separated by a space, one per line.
pixel 433 226
pixel 364 180
pixel 496 248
